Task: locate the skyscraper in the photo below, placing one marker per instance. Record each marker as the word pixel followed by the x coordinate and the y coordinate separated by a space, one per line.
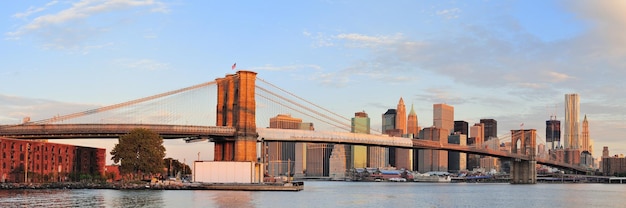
pixel 461 127
pixel 571 130
pixel 360 124
pixel 457 161
pixel 389 128
pixel 553 133
pixel 491 128
pixel 433 160
pixel 586 144
pixel 389 120
pixel 402 157
pixel 412 126
pixel 401 117
pixel 282 153
pixel 443 117
pixel 477 132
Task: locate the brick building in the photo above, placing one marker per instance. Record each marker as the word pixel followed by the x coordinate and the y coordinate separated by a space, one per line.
pixel 613 166
pixel 47 161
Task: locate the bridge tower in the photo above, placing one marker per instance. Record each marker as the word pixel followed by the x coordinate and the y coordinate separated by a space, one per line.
pixel 236 108
pixel 523 142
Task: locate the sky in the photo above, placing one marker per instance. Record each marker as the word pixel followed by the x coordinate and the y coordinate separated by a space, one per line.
pixel 512 61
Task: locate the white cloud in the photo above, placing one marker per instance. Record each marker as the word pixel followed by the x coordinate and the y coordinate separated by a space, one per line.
pixel 286 68
pixel 143 64
pixel 557 77
pixel 67 29
pixel 320 40
pixel 360 40
pixel 449 13
pixel 33 10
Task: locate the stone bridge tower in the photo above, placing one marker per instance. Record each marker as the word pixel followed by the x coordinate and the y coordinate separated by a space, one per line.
pixel 524 142
pixel 236 107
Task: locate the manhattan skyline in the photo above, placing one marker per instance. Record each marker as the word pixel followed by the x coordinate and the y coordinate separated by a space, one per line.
pixel 509 61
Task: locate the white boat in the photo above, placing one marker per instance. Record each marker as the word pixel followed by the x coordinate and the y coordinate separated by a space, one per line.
pixel 432 177
pixel 397 179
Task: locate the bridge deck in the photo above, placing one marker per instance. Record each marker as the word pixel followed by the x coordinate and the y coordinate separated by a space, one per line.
pixel 75 131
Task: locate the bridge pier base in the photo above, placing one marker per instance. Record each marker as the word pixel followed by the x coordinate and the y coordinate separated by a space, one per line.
pixel 523 172
pixel 523 142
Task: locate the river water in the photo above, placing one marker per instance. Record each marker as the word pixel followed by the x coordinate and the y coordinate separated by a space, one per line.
pixel 337 194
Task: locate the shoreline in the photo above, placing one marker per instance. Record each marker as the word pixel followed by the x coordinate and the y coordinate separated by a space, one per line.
pixel 294 186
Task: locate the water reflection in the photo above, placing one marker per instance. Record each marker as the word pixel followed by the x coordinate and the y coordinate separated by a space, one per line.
pixel 134 198
pixel 232 198
pixel 335 194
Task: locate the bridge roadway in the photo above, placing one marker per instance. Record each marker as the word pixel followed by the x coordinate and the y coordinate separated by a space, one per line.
pixel 77 131
pixel 385 140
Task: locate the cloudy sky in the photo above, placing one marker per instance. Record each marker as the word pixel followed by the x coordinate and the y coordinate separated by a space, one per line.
pixel 512 61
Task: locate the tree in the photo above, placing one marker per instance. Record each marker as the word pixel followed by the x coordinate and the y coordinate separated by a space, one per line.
pixel 139 152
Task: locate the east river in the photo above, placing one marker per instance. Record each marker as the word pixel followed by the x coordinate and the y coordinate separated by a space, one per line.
pixel 337 194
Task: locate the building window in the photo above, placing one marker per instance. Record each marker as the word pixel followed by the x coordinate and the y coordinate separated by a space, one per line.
pixel 21 156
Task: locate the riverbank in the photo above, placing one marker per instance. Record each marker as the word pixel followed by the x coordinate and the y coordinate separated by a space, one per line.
pixel 168 185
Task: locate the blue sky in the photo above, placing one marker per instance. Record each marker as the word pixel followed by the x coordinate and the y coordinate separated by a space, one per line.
pixel 508 60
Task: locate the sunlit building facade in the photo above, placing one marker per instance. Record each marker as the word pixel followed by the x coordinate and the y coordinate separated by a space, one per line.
pixel 412 126
pixel 571 125
pixel 47 162
pixel 443 117
pixel 361 125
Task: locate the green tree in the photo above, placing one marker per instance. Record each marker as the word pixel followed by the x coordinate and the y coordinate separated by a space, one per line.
pixel 139 152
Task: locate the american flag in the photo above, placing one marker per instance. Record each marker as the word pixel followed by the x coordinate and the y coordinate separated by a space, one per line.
pixel 234 65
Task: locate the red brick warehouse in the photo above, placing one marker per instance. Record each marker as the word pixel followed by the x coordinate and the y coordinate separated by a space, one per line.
pixel 48 161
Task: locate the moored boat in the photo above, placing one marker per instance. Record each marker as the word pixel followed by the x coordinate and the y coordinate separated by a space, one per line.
pixel 432 177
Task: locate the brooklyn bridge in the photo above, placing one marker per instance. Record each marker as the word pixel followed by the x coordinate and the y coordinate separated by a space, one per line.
pixel 234 116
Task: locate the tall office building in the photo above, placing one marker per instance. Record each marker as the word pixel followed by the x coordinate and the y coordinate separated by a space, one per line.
pixel 461 127
pixel 389 120
pixel 553 133
pixel 300 163
pixel 477 133
pixel 433 160
pixel 401 117
pixel 571 130
pixel 412 126
pixel 457 161
pixel 491 128
pixel 443 117
pixel 402 157
pixel 318 159
pixel 360 124
pixel 585 143
pixel 389 128
pixel 282 155
pixel 605 152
